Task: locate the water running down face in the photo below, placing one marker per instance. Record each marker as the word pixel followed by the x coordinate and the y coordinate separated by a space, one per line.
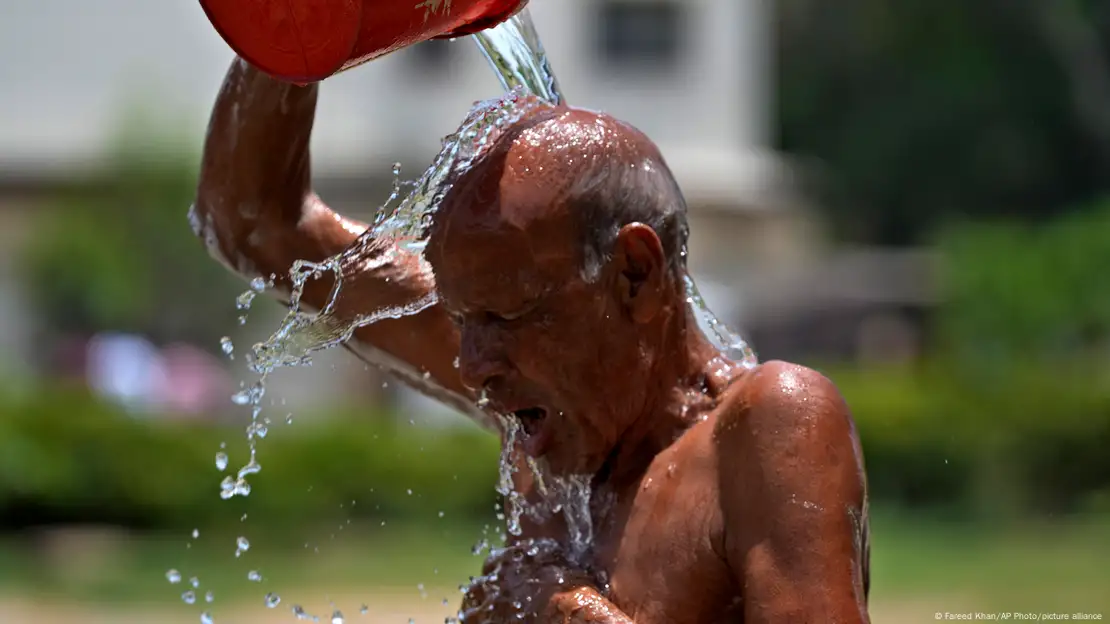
pixel 563 338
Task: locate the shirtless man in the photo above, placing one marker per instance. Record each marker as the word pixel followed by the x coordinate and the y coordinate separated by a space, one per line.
pixel 719 493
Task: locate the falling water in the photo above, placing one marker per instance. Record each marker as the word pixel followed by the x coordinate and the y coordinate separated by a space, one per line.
pixel 514 51
pixel 728 342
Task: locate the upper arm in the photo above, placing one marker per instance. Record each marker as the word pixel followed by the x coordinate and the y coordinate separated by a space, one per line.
pixel 257 214
pixel 793 495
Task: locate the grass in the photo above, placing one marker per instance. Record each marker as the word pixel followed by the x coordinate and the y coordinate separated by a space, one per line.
pixel 1054 566
pixel 919 566
pixel 130 568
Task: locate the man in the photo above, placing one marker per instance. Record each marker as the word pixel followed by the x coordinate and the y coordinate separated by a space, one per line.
pixel 718 493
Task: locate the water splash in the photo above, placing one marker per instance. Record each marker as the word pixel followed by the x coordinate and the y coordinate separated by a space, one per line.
pixel 572 496
pixel 728 342
pixel 514 51
pixel 515 503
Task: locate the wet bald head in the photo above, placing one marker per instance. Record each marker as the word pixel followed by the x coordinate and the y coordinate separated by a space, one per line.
pixel 589 169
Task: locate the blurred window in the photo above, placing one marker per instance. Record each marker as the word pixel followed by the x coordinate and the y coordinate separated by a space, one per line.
pixel 640 32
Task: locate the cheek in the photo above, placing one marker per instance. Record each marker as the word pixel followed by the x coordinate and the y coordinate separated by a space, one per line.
pixel 558 349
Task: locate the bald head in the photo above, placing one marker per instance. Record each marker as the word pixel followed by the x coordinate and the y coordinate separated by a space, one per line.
pixel 589 169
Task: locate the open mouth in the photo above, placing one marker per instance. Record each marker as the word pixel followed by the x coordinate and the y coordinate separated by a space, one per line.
pixel 531 419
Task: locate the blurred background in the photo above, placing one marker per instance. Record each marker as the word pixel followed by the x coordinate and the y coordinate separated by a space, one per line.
pixel 912 197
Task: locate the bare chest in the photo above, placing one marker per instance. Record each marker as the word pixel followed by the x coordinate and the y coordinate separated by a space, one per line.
pixel 661 548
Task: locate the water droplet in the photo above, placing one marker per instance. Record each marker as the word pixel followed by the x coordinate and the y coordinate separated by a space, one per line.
pixel 289 419
pixel 364 609
pixel 206 618
pixel 173 576
pixel 244 301
pixel 189 597
pixel 258 284
pixel 241 544
pixel 221 462
pixel 254 576
pixel 196 533
pixel 209 596
pixel 298 611
pixel 257 429
pixel 409 491
pixel 251 468
pixel 195 582
pixel 337 617
pixel 227 346
pixel 455 362
pixel 272 600
pixel 441 514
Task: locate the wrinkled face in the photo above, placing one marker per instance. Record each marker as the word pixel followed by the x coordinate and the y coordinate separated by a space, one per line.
pixel 562 356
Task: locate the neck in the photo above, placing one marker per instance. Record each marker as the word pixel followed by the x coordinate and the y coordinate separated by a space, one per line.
pixel 689 387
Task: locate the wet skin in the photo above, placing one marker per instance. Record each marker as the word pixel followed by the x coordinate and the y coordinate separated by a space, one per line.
pixel 719 493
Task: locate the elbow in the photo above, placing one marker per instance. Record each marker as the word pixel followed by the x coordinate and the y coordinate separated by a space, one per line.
pixel 217 241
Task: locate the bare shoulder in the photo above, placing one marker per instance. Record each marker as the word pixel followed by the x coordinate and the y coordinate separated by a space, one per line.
pixel 780 399
pixel 794 496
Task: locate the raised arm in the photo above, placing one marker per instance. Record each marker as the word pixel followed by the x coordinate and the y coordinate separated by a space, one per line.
pixel 257 214
pixel 794 500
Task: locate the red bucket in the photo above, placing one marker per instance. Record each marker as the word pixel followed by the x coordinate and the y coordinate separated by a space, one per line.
pixel 308 40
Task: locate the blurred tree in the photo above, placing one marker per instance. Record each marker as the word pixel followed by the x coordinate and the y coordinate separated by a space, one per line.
pixel 118 254
pixel 1016 293
pixel 918 111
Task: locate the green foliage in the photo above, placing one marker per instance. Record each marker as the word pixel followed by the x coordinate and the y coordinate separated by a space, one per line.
pixel 921 110
pixel 932 439
pixel 66 457
pixel 119 254
pixel 1016 293
pixel 1030 440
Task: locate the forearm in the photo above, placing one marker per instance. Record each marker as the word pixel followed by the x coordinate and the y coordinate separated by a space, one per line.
pixel 256 212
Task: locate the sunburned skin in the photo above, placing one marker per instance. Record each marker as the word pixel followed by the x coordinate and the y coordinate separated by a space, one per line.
pixel 718 492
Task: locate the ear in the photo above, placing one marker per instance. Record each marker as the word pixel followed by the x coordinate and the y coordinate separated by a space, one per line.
pixel 640 267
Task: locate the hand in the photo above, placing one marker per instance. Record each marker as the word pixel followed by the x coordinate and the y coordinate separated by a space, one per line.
pixel 523 582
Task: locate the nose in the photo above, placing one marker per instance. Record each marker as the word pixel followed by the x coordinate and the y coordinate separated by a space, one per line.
pixel 481 356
